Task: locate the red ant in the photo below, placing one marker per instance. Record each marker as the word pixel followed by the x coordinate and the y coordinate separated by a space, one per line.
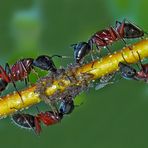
pixel 33 122
pixel 128 72
pixel 22 68
pixel 48 118
pixel 123 30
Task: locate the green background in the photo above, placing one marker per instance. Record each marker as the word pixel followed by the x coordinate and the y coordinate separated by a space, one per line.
pixel 113 117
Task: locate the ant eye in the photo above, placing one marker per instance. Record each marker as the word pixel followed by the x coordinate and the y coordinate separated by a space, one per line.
pixel 129 72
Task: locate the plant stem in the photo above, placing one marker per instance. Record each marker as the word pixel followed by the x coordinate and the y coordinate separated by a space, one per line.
pixel 98 68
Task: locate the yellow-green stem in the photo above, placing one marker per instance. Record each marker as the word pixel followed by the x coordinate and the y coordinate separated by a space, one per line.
pixel 12 102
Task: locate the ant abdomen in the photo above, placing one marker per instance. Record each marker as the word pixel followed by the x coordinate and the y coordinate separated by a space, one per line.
pixel 24 120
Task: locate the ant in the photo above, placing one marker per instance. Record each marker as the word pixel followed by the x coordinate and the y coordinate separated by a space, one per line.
pixel 48 118
pixel 128 72
pixel 22 68
pixel 122 30
pixel 33 122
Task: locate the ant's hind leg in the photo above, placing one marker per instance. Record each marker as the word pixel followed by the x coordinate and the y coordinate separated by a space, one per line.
pixel 50 103
pixel 7 67
pixel 99 51
pixel 109 51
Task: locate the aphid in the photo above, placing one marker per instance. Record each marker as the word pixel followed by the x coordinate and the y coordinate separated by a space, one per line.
pixel 81 49
pixel 67 105
pixel 123 30
pixel 128 72
pixel 105 80
pixel 33 122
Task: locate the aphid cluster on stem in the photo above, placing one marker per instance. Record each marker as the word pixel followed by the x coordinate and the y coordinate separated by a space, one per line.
pixel 68 81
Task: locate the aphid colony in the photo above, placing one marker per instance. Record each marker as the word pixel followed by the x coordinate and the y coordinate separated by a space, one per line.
pixel 62 103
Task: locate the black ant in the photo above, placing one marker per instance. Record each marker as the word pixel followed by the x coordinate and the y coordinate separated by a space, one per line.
pixel 128 72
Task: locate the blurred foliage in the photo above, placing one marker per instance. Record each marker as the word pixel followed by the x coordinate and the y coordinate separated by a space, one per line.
pixel 113 117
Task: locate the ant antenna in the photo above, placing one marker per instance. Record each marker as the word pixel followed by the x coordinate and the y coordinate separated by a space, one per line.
pixel 124 58
pixel 140 60
pixel 129 63
pixel 59 56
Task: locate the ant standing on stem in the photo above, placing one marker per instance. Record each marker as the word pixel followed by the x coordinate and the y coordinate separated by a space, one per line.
pixel 122 30
pixel 33 122
pixel 22 68
pixel 128 72
pixel 48 118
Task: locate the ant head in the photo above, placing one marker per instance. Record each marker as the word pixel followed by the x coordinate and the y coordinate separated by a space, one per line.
pixel 127 71
pixel 132 31
pixel 43 62
pixel 80 45
pixel 67 106
pixel 81 49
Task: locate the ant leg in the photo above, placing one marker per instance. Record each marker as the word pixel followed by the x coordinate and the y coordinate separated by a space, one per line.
pixel 92 60
pixel 119 36
pixel 26 82
pixel 33 71
pixel 59 56
pixel 125 59
pixel 140 62
pixel 130 63
pixel 24 68
pixel 52 105
pixel 90 42
pixel 99 50
pixel 92 57
pixel 108 49
pixel 7 67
